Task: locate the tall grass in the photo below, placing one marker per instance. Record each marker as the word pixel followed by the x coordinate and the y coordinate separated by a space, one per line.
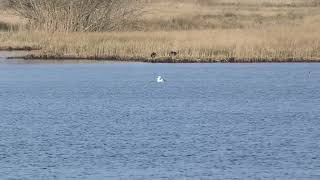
pixel 249 45
pixel 250 31
pixel 225 14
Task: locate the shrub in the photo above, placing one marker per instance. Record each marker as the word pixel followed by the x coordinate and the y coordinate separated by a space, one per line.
pixel 77 15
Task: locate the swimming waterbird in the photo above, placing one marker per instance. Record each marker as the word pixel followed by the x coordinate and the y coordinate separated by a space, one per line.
pixel 160 79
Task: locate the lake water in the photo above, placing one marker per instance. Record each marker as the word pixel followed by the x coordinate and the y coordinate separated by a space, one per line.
pixel 113 121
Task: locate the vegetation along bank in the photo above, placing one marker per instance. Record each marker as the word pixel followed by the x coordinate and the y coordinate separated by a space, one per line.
pixel 164 30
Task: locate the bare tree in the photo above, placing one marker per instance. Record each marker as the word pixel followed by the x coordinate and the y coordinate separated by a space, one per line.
pixel 78 15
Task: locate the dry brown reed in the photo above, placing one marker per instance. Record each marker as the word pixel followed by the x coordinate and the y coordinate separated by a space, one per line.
pixel 300 43
pixel 252 31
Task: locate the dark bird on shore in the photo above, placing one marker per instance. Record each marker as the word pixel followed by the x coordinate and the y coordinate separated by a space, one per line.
pixel 173 53
pixel 153 55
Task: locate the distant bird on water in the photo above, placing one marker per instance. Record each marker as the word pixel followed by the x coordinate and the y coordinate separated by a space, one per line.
pixel 160 79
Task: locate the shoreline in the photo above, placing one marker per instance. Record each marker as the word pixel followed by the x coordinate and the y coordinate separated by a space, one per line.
pixel 287 45
pixel 162 59
pixel 171 60
pixel 183 32
pixel 19 48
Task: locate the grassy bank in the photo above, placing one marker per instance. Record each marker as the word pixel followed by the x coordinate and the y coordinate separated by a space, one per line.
pixel 267 44
pixel 220 32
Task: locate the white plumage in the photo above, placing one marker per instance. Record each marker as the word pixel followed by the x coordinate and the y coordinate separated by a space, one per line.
pixel 160 79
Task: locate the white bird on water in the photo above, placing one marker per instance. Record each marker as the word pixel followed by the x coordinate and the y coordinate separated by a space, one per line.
pixel 160 79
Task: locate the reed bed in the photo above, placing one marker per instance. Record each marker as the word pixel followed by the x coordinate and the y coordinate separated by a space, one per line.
pixel 198 30
pixel 281 44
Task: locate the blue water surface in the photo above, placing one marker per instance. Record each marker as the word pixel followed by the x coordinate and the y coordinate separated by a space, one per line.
pixel 113 121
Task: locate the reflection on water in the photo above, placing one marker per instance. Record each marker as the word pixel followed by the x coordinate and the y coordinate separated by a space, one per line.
pixel 23 61
pixel 5 54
